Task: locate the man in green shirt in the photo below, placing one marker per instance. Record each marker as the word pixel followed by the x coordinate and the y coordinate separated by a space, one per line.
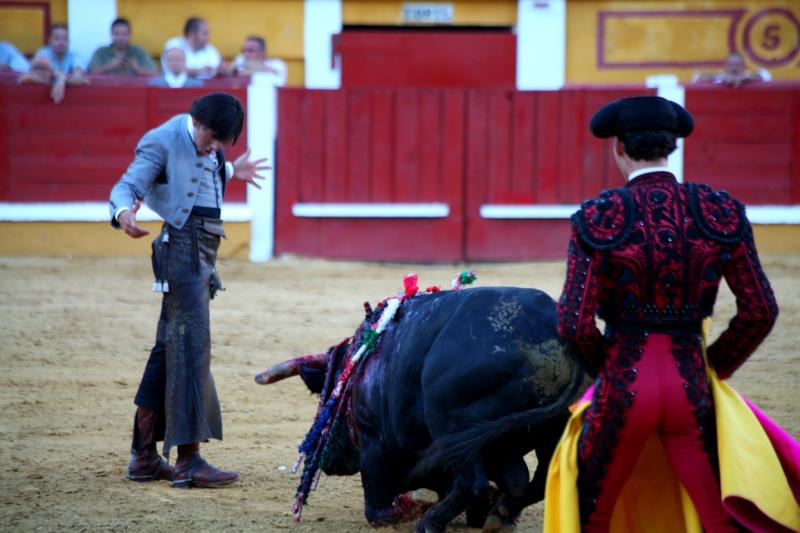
pixel 121 57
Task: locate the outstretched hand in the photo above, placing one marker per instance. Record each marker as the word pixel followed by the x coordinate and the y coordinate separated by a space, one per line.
pixel 246 170
pixel 127 220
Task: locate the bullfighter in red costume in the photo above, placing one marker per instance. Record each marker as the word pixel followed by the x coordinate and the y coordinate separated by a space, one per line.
pixel 648 259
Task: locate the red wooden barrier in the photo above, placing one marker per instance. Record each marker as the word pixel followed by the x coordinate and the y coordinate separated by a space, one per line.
pixel 370 146
pixel 532 148
pixel 427 57
pixel 465 148
pixel 77 150
pixel 746 141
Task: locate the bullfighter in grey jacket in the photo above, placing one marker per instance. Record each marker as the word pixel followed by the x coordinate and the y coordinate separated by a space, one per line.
pixel 179 170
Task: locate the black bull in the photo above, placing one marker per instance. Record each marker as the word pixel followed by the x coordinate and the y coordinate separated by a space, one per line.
pixel 463 385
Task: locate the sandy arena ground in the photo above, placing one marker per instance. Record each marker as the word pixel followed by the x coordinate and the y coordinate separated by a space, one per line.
pixel 75 335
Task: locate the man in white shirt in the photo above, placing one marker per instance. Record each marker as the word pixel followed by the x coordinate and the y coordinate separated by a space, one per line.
pixel 254 59
pixel 202 58
pixel 175 75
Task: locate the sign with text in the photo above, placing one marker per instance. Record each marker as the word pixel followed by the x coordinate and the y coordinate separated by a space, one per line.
pixel 428 13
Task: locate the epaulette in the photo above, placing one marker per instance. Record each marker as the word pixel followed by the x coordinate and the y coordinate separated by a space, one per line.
pixel 606 221
pixel 718 215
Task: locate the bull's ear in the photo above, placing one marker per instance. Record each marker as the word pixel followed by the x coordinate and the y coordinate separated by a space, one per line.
pixel 367 309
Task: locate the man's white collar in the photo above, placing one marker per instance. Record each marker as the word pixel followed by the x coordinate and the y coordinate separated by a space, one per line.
pixel 648 170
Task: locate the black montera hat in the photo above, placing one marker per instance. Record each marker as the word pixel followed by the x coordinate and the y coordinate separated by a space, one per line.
pixel 641 113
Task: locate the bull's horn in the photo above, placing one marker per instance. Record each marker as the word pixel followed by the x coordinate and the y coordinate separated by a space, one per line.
pixel 291 368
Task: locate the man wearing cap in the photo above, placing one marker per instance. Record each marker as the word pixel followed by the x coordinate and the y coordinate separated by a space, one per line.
pixel 648 259
pixel 179 170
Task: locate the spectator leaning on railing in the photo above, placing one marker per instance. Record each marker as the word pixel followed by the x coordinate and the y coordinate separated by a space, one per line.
pixel 734 74
pixel 254 59
pixel 121 57
pixel 11 60
pixel 202 59
pixel 55 65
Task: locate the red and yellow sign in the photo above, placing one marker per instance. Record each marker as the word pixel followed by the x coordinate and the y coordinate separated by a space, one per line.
pixel 624 41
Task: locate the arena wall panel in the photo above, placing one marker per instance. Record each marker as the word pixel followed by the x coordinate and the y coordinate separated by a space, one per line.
pixel 746 141
pixel 370 147
pixel 416 169
pixel 76 150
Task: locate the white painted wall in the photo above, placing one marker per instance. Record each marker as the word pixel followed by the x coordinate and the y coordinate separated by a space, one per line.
pixel 89 26
pixel 541 44
pixel 323 20
pixel 262 131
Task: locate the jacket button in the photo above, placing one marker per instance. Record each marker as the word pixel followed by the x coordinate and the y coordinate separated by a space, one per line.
pixel 185 210
pixel 195 180
pixel 190 194
pixel 199 165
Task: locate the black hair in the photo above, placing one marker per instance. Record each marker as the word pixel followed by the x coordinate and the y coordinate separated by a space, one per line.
pixel 192 25
pixel 260 40
pixel 221 113
pixel 55 27
pixel 120 22
pixel 648 145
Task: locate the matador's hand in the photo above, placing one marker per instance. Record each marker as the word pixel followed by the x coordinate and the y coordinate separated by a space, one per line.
pixel 127 220
pixel 246 170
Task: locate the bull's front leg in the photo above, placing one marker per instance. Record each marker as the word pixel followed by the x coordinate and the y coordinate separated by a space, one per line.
pixel 384 505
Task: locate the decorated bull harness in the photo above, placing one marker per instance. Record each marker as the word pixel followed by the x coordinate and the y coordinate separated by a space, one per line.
pixel 316 447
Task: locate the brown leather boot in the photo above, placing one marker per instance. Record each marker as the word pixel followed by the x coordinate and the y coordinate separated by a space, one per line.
pixel 146 464
pixel 191 470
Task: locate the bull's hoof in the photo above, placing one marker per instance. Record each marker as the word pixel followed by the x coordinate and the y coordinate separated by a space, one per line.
pixel 500 520
pixel 495 524
pixel 480 507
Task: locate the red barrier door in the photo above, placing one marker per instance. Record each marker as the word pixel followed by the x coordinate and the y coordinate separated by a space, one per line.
pixel 532 150
pixel 370 174
pixel 427 58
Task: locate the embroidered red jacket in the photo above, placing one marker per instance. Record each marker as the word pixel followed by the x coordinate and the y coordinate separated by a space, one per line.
pixel 650 257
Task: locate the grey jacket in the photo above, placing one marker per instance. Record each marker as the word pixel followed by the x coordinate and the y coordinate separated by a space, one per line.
pixel 165 172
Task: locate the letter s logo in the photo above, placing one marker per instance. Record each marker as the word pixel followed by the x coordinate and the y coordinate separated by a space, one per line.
pixel 772 37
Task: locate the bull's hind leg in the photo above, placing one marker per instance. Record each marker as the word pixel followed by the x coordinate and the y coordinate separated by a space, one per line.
pixel 458 497
pixel 503 517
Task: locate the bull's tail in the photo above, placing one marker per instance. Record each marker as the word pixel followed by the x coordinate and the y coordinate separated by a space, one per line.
pixel 462 448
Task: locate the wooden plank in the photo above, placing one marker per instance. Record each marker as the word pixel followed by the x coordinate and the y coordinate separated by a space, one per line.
pixel 5 137
pixel 475 171
pixel 311 168
pixel 546 138
pixel 523 120
pixel 402 58
pixel 571 183
pixel 477 139
pixel 78 120
pixel 454 153
pixel 334 146
pixel 291 234
pixel 382 145
pixel 359 126
pixel 702 101
pixel 754 129
pixel 65 143
pixel 406 162
pixel 429 145
pixel 381 239
pixel 498 173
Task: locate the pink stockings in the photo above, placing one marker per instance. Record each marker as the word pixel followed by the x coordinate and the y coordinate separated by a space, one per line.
pixel 659 404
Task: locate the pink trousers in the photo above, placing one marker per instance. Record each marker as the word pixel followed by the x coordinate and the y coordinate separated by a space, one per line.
pixel 659 405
